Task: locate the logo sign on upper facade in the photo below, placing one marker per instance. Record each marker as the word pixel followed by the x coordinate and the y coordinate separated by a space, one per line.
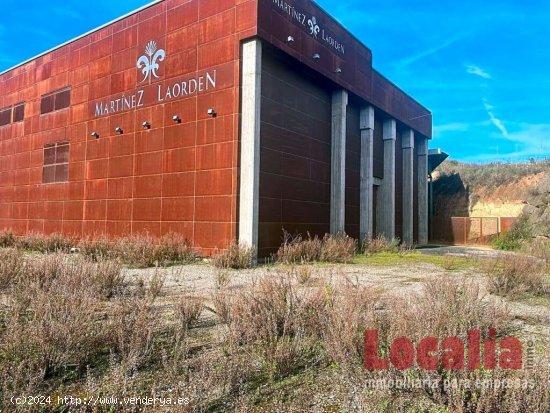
pixel 313 27
pixel 310 23
pixel 148 62
pixel 149 94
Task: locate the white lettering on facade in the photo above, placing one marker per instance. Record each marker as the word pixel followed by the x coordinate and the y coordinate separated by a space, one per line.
pixel 186 88
pixel 301 18
pixel 180 89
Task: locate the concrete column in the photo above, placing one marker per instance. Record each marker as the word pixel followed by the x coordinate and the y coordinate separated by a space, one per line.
pixel 338 162
pixel 407 144
pixel 366 120
pixel 386 206
pixel 250 143
pixel 423 191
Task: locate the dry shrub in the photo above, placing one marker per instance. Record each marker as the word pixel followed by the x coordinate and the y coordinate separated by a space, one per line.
pixel 295 250
pixel 276 320
pixel 51 323
pixel 96 248
pixel 7 239
pixel 338 248
pixel 236 257
pixel 145 251
pixel 155 285
pixel 449 262
pixel 32 242
pixel 302 273
pixel 381 244
pixel 107 277
pixel 58 243
pixel 134 324
pixel 350 311
pixel 175 248
pixel 187 311
pixel 446 306
pixel 65 315
pixel 44 243
pixel 332 248
pixel 513 274
pixel 289 328
pixel 540 247
pixel 501 397
pixel 12 267
pixel 222 278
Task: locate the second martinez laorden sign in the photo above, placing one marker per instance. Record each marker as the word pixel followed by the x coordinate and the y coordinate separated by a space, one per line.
pixel 311 24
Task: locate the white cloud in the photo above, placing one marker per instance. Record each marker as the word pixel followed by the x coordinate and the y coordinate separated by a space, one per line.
pixel 496 121
pixel 433 50
pixel 450 127
pixel 477 71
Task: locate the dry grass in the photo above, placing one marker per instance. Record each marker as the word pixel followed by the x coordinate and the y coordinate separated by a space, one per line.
pixel 514 274
pixel 303 273
pixel 51 326
pixel 65 314
pixel 12 267
pixel 539 247
pixel 136 250
pixel 235 256
pixel 7 239
pixel 450 263
pixel 73 326
pixel 380 244
pixel 146 251
pixel 45 243
pixel 331 248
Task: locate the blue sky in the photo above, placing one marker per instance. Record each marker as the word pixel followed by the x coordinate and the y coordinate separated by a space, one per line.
pixel 482 67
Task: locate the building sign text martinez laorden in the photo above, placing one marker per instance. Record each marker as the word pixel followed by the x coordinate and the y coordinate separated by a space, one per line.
pixel 310 23
pixel 149 64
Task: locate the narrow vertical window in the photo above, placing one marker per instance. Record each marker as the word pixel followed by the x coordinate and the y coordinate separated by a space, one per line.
pixel 56 163
pixel 5 116
pixel 19 112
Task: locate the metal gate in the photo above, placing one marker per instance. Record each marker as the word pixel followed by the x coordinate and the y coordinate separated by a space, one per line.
pixel 469 230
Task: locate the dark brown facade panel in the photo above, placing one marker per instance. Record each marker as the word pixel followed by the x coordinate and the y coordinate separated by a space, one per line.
pixel 320 42
pixel 295 156
pixel 353 179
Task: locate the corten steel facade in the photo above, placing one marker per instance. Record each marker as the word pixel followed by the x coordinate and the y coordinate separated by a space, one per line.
pixel 218 120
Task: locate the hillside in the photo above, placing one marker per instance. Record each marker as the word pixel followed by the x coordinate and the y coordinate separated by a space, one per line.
pixel 496 189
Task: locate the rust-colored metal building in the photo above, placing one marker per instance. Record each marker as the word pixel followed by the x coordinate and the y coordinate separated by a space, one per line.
pixel 219 120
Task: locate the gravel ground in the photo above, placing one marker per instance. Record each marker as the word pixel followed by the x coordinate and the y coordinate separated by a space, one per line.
pixel 200 280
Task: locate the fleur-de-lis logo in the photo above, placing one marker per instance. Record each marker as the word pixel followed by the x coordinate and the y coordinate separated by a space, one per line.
pixel 314 28
pixel 148 62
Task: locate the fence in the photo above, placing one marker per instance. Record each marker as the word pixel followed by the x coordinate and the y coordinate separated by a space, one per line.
pixel 468 230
